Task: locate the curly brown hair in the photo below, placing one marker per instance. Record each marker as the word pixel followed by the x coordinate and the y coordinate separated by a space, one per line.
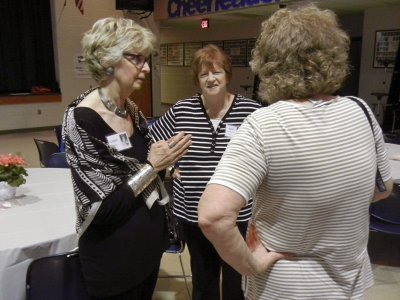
pixel 299 54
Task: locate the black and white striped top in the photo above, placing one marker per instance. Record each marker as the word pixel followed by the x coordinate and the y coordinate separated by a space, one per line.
pixel 208 145
pixel 313 171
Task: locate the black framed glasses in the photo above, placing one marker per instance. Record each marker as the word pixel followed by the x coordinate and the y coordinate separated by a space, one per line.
pixel 137 59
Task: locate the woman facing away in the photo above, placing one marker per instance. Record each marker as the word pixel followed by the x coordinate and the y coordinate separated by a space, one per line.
pixel 118 194
pixel 310 158
pixel 212 117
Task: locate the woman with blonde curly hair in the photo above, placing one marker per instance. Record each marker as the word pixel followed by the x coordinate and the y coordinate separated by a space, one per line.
pixel 310 158
pixel 114 166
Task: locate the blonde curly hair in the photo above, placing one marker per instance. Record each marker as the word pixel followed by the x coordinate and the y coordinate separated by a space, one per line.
pixel 299 54
pixel 105 43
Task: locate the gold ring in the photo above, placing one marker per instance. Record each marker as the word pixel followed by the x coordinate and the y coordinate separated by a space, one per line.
pixel 171 144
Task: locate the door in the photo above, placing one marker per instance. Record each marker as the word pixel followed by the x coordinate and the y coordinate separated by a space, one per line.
pixel 142 97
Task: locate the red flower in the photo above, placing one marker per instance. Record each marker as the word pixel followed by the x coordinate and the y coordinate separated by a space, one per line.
pixel 12 169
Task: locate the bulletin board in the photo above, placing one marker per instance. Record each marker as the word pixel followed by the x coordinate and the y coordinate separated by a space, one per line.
pixel 175 54
pixel 386 45
pixel 250 46
pixel 181 54
pixel 237 50
pixel 216 43
pixel 190 49
pixel 163 54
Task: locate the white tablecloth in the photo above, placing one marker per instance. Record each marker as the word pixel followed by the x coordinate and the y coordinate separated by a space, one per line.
pixel 41 222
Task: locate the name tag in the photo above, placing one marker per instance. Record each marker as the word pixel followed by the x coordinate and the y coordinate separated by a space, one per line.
pixel 230 130
pixel 119 141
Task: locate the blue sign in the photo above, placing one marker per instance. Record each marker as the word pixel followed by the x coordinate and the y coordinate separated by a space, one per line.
pixel 185 8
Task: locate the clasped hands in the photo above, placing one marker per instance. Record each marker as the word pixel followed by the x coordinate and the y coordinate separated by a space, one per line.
pixel 165 153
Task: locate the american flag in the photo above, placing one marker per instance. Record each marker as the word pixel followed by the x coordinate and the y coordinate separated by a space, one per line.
pixel 79 5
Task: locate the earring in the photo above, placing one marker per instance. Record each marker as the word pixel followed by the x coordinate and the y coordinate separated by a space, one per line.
pixel 109 71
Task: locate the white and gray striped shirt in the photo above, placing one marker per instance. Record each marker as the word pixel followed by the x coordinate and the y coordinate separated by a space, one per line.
pixel 312 171
pixel 208 145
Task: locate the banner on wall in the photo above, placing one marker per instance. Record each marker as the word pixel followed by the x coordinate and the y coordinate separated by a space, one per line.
pixel 184 8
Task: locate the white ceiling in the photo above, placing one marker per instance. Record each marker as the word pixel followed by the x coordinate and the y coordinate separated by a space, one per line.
pixel 341 7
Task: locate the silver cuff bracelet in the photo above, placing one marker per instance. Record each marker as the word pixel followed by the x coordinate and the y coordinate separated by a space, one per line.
pixel 142 179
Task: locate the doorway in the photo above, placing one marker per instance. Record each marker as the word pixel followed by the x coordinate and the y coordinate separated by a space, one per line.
pixel 143 97
pixel 350 86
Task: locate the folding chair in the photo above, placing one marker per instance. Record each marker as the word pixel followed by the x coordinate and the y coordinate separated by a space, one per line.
pixel 45 149
pixel 382 226
pixel 384 242
pixel 385 214
pixel 176 242
pixel 56 277
pixel 177 247
pixel 151 120
pixel 57 160
pixel 58 132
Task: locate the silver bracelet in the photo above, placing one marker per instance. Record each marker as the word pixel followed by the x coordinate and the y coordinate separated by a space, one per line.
pixel 142 179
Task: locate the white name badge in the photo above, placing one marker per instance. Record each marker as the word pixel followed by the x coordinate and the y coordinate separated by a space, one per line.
pixel 230 130
pixel 119 141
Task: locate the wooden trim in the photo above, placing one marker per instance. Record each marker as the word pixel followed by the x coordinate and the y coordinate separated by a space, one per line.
pixel 25 130
pixel 28 99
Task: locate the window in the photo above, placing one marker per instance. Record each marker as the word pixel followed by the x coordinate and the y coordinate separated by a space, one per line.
pixel 26 46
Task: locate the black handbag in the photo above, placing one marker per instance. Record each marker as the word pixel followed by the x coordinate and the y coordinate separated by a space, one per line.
pixel 175 232
pixel 378 178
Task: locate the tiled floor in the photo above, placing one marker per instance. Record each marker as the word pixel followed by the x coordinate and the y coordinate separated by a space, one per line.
pixel 387 278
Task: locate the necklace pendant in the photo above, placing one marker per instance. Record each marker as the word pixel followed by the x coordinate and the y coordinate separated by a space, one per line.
pixel 121 113
pixel 111 106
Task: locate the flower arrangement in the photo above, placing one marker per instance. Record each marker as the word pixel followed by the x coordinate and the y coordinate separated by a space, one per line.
pixel 12 170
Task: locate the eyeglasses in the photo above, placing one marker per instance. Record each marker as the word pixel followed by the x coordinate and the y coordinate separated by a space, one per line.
pixel 137 59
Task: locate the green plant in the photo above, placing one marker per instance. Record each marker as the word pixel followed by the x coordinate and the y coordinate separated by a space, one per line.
pixel 12 170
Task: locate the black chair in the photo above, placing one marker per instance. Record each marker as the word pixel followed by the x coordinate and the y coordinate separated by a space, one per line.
pixel 176 242
pixel 45 149
pixel 58 132
pixel 177 247
pixel 57 160
pixel 151 120
pixel 56 277
pixel 377 225
pixel 384 242
pixel 385 214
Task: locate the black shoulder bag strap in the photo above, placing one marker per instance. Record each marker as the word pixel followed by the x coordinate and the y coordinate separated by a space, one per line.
pixel 378 179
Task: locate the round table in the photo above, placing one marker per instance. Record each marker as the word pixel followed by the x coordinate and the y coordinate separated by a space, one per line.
pixel 41 222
